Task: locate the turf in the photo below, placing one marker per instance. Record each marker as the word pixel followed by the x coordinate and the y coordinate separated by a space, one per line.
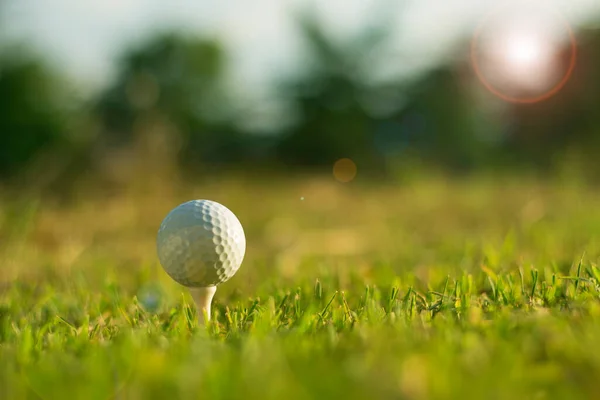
pixel 430 289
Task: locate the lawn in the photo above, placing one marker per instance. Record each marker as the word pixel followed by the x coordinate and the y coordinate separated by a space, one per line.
pixel 428 289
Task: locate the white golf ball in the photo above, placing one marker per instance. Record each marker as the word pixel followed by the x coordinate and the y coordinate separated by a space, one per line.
pixel 201 243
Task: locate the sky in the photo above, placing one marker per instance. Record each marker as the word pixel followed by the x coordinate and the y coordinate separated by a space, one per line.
pixel 83 38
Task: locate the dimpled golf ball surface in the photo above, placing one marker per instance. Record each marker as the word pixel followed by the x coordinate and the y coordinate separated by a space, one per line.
pixel 201 243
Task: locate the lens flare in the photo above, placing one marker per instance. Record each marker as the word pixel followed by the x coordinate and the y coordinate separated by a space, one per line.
pixel 523 53
pixel 344 170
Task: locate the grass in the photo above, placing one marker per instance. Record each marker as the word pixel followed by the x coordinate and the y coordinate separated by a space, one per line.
pixel 427 290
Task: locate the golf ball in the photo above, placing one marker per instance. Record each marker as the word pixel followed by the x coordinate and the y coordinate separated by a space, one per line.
pixel 201 243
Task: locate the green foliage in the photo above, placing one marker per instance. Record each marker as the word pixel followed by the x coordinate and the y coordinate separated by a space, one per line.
pixel 32 119
pixel 171 86
pixel 333 97
pixel 171 104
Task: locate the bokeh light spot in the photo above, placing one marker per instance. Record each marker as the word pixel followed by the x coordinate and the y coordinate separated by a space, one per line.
pixel 344 170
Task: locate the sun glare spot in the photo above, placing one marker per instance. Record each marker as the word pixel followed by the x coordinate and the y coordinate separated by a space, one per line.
pixel 523 53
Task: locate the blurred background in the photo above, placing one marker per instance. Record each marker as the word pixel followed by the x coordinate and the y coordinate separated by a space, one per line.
pixel 121 90
pixel 334 130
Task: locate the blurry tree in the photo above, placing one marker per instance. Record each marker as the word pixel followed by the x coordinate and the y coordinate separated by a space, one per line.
pixel 170 96
pixel 32 117
pixel 169 92
pixel 439 123
pixel 435 118
pixel 333 97
pixel 338 100
pixel 567 124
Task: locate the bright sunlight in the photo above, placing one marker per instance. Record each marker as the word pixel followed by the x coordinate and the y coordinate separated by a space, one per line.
pixel 522 54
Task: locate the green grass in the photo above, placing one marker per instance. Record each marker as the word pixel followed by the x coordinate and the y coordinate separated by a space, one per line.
pixel 473 289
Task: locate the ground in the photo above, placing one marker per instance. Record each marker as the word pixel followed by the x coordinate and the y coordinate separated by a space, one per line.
pixel 421 289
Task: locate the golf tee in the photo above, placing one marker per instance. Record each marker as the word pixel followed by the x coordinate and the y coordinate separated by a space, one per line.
pixel 203 299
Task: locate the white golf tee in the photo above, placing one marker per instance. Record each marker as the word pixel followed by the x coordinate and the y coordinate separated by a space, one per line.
pixel 203 298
